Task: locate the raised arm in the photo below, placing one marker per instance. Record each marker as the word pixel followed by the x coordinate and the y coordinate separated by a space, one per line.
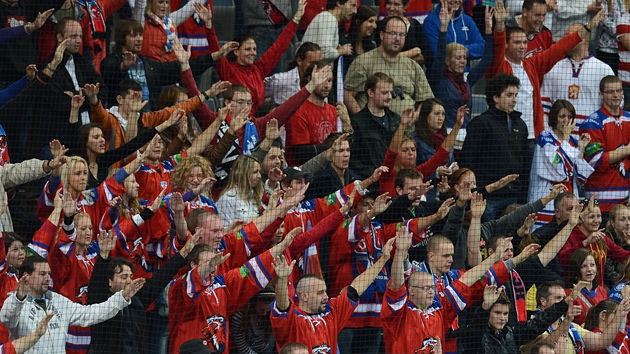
pixel 477 207
pixel 25 343
pixel 403 243
pixel 283 270
pixel 361 283
pixel 551 249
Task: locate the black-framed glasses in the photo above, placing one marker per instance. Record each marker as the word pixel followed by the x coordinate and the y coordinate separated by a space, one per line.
pixel 423 288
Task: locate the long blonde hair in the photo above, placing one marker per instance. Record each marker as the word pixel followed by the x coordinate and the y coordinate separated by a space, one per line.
pixel 239 179
pixel 180 174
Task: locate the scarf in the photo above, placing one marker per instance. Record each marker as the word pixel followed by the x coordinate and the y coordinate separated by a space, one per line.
pixel 97 21
pixel 437 139
pixel 250 138
pixel 460 84
pixel 518 289
pixel 168 26
pixel 574 335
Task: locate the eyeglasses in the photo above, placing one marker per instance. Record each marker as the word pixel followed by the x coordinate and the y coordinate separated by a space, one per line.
pixel 423 288
pixel 612 92
pixel 243 102
pixel 395 34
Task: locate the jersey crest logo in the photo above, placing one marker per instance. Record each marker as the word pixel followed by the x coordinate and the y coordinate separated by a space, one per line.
pixel 214 332
pixel 574 92
pixel 427 344
pixel 321 349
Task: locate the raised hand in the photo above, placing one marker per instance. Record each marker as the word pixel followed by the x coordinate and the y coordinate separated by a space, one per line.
pixel 69 205
pixel 59 154
pixel 190 244
pixel 235 226
pixel 183 55
pixel 204 13
pixel 387 249
pixel 556 190
pixel 594 237
pixel 227 48
pixel 381 203
pixel 445 16
pixel 575 292
pixel 223 112
pixel 58 200
pixel 106 242
pixel 443 187
pixel 408 117
pixel 91 92
pixel 273 132
pixel 276 175
pixel 529 251
pixel 41 19
pixel 115 202
pixel 158 200
pixel 585 139
pixel 132 288
pixel 61 48
pixel 403 239
pixel 239 121
pixel 488 19
pixel 529 221
pixel 218 87
pixel 176 203
pixel 205 185
pixel 300 11
pixel 477 205
pixel 445 208
pixel 77 100
pixel 319 76
pixel 462 112
pixel 490 295
pixel 377 173
pixel 283 270
pixel 129 59
pixel 22 287
pixel 500 14
pixel 288 239
pixel 348 205
pixel 43 324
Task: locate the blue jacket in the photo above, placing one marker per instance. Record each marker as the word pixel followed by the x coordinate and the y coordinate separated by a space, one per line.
pixel 462 29
pixel 443 88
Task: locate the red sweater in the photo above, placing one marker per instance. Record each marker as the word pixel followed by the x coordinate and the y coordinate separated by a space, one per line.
pixel 575 241
pixel 536 67
pixel 388 179
pixel 252 76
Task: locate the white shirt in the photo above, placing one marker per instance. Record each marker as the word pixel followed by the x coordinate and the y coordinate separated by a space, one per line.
pixel 525 101
pixel 281 86
pixel 71 68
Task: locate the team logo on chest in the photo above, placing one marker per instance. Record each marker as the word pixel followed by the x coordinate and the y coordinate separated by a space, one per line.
pixel 574 92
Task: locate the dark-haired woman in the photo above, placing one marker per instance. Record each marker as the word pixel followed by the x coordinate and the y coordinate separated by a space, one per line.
pixel 558 158
pixel 241 65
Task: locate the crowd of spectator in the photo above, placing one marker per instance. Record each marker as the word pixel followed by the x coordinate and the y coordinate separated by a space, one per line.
pixel 406 177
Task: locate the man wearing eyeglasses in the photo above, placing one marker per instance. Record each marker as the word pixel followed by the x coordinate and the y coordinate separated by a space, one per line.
pixel 410 83
pixel 410 323
pixel 609 149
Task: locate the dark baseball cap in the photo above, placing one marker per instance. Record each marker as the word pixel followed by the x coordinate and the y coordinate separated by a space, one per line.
pixel 196 346
pixel 295 172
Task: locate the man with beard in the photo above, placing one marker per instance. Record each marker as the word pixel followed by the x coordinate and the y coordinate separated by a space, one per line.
pixel 313 121
pixel 410 83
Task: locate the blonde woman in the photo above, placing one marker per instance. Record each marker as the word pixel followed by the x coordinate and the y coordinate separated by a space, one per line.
pixel 193 178
pixel 242 196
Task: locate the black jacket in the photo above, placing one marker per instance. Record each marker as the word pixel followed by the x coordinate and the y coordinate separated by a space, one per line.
pixel 478 337
pixel 53 109
pixel 158 75
pixel 16 55
pixel 371 139
pixel 327 182
pixel 492 152
pixel 129 327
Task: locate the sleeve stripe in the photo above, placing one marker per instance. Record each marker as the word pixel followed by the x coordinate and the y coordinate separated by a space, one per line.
pixel 261 275
pixel 493 279
pixel 456 298
pixel 191 289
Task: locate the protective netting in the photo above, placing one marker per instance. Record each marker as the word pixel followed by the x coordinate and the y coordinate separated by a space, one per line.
pixel 275 176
